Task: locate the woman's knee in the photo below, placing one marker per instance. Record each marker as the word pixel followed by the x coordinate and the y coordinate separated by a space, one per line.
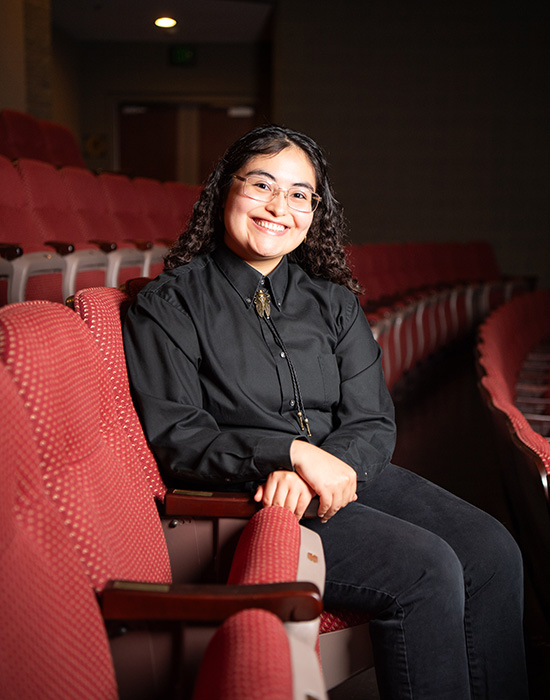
pixel 494 556
pixel 439 572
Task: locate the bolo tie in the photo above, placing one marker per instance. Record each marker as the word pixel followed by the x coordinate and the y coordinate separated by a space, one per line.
pixel 262 302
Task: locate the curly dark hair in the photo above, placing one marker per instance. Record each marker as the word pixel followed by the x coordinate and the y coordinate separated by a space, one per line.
pixel 323 254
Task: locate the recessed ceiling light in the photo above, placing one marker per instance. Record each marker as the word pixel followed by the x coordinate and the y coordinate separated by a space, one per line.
pixel 165 22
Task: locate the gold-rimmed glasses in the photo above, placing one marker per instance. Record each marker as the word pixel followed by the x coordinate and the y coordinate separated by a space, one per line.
pixel 300 199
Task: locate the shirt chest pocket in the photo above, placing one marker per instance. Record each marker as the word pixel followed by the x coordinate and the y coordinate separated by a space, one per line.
pixel 320 382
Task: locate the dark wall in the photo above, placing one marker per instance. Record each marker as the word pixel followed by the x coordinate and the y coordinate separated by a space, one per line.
pixel 434 115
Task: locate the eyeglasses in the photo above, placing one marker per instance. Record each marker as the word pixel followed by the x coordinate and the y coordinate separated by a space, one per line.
pixel 298 198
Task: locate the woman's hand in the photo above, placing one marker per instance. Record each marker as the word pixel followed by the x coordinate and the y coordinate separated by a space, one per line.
pixel 287 489
pixel 333 480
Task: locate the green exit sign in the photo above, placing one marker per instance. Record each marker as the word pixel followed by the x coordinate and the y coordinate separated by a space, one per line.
pixel 182 55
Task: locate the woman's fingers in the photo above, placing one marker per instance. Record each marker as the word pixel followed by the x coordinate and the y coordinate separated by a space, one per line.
pixel 332 479
pixel 285 489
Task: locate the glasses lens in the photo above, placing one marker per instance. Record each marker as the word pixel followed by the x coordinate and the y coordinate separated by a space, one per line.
pixel 259 189
pixel 300 199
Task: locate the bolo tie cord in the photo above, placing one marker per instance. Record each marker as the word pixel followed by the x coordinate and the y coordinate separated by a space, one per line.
pixel 262 302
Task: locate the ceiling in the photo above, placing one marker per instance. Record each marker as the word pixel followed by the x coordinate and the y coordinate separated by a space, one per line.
pixel 199 21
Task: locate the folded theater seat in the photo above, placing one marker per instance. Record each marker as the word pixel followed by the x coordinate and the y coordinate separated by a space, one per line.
pixel 78 507
pixel 29 268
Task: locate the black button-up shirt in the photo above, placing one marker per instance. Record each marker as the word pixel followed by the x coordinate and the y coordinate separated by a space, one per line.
pixel 214 390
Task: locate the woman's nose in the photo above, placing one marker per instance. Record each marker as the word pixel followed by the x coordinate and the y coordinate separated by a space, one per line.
pixel 279 204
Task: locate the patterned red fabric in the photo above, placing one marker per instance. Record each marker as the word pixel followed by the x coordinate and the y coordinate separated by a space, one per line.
pixel 268 548
pixel 248 659
pixel 88 465
pixel 19 227
pixel 331 621
pixel 268 552
pixel 53 644
pixel 102 309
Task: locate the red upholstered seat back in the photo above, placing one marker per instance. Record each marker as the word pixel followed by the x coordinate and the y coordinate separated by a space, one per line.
pixel 158 207
pixel 53 642
pixel 25 135
pixel 248 658
pixel 89 201
pixel 102 309
pixel 61 144
pixel 126 206
pixel 268 549
pixel 17 224
pixel 184 197
pixel 88 465
pixel 48 200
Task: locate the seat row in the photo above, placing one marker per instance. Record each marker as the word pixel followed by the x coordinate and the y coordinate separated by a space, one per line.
pixel 513 358
pixel 24 136
pixel 514 355
pixel 63 229
pixel 421 296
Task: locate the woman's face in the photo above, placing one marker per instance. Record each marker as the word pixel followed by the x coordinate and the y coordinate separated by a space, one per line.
pixel 261 233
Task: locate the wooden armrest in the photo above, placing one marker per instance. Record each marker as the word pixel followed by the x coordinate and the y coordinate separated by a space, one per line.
pixel 140 243
pixel 61 247
pixel 10 251
pixel 209 504
pixel 130 600
pixel 218 504
pixel 105 246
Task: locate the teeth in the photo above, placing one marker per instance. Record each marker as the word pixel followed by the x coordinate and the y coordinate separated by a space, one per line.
pixel 270 225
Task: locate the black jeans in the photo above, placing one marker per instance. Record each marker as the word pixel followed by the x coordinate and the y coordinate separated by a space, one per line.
pixel 444 583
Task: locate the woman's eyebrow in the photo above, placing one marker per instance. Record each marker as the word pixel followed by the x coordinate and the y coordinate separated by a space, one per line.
pixel 263 173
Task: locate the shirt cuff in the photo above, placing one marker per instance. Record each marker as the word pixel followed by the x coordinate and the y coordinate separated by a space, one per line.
pixel 273 453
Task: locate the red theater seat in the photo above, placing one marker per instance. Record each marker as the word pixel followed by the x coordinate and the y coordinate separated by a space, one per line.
pixel 30 269
pixel 91 480
pixel 61 145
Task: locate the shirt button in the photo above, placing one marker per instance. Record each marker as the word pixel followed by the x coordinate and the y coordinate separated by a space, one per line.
pixel 283 355
pixel 292 403
pixel 248 299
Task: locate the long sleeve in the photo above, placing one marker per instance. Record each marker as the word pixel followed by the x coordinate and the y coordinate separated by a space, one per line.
pixel 163 355
pixel 364 427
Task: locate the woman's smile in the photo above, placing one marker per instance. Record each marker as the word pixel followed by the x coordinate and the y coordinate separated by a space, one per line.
pixel 271 227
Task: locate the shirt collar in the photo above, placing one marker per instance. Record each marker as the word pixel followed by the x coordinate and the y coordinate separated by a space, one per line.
pixel 246 280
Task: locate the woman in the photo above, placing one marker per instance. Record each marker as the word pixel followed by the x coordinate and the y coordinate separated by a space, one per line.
pixel 253 366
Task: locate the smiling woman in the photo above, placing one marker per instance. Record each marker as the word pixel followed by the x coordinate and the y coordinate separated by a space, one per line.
pixel 253 367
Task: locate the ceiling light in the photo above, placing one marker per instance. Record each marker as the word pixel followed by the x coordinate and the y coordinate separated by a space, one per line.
pixel 165 22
